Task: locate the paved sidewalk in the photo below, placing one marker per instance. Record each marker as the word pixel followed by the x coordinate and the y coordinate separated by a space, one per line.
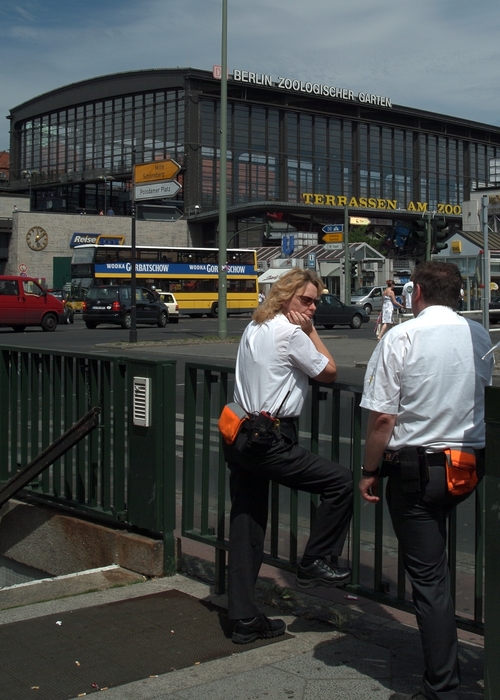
pixel 341 649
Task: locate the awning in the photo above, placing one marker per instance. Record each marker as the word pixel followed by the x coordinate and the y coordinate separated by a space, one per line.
pixel 273 274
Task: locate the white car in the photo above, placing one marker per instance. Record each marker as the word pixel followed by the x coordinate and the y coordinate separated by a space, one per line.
pixel 171 303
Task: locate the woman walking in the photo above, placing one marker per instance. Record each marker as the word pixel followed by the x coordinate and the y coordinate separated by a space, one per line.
pixel 388 304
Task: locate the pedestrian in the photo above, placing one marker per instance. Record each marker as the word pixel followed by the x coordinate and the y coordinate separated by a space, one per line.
pixel 462 298
pixel 110 212
pixel 262 296
pixel 389 301
pixel 424 387
pixel 279 351
pixel 406 294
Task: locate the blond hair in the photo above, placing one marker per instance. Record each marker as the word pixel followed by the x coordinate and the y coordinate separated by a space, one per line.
pixel 283 290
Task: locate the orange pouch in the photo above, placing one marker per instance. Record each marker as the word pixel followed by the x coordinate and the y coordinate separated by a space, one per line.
pixel 230 421
pixel 461 474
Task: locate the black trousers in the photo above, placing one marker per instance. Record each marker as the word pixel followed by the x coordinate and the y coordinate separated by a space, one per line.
pixel 291 465
pixel 419 521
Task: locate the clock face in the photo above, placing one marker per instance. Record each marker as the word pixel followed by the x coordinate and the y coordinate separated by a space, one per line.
pixel 37 238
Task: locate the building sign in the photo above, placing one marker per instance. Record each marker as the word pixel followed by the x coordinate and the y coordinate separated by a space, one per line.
pixel 456 246
pixel 331 200
pixel 124 268
pixel 95 238
pixel 309 88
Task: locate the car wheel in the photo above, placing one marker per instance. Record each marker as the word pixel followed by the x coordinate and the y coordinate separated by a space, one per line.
pixel 173 320
pixel 214 311
pixel 18 329
pixel 91 325
pixel 356 321
pixel 49 322
pixel 367 308
pixel 162 320
pixel 127 322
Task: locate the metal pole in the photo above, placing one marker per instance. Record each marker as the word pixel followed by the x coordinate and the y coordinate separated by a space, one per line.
pixel 133 301
pixel 486 263
pixel 428 235
pixel 347 260
pixel 222 310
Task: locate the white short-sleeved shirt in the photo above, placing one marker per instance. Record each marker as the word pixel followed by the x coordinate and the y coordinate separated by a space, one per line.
pixel 407 294
pixel 429 372
pixel 273 358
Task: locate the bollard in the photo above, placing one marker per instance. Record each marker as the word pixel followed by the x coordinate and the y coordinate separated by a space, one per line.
pixel 492 546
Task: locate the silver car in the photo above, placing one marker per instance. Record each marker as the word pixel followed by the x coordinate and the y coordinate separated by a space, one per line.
pixel 371 298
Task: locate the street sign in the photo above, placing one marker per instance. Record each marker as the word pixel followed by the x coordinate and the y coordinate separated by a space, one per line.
pixel 359 221
pixel 333 246
pixel 155 171
pixel 311 261
pixel 333 237
pixel 333 228
pixel 157 190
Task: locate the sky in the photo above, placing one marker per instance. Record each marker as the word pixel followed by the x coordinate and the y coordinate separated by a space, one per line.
pixel 436 55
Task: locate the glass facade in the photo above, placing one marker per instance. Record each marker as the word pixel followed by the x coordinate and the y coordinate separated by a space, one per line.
pixel 278 149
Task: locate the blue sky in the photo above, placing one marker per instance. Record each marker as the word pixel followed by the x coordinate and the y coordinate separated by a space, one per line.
pixel 437 55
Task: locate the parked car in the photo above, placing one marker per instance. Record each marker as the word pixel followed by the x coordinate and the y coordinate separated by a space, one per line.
pixel 112 304
pixel 171 303
pixel 63 296
pixel 23 302
pixel 330 312
pixel 370 298
pixel 495 304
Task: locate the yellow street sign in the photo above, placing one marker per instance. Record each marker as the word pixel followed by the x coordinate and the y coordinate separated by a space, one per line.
pixel 155 171
pixel 333 237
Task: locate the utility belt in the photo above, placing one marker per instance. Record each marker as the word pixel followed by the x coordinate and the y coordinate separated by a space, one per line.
pixel 243 430
pixel 412 465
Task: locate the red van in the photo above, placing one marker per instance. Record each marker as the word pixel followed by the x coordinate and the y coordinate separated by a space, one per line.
pixel 24 303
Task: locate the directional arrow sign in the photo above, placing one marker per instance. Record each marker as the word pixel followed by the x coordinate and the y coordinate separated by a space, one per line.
pixel 333 237
pixel 157 170
pixel 333 228
pixel 157 190
pixel 333 246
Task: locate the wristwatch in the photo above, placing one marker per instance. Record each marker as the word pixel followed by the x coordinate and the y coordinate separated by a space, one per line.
pixel 369 474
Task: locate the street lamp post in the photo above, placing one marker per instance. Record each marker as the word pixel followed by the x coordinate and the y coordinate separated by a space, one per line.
pixel 27 175
pixel 223 183
pixel 105 179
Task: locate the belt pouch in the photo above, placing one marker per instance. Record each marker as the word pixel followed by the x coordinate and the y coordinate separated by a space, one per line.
pixel 461 476
pixel 410 469
pixel 231 420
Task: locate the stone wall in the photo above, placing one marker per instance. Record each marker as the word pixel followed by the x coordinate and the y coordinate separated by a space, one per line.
pixel 61 227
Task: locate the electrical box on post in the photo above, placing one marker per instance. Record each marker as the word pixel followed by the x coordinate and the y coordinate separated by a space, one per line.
pixel 141 409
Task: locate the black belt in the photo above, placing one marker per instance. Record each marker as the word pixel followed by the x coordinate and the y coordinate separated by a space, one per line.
pixel 434 459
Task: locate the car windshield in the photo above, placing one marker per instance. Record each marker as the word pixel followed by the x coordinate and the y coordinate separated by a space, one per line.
pixel 362 291
pixel 103 294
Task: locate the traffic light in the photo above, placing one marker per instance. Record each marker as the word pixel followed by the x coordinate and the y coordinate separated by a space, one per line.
pixel 354 267
pixel 439 233
pixel 419 230
pixel 343 268
pixel 268 230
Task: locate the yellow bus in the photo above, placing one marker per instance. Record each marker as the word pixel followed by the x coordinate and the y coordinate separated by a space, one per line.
pixel 191 274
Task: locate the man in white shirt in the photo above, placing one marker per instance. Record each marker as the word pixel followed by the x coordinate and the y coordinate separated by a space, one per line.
pixel 278 353
pixel 424 387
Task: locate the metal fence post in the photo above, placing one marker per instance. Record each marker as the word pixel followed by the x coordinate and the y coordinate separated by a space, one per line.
pixel 151 495
pixel 492 546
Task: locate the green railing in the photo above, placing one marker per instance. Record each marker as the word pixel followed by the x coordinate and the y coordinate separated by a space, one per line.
pixel 123 472
pixel 332 424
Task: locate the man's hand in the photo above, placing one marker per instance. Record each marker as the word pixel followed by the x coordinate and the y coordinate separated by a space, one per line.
pixel 368 486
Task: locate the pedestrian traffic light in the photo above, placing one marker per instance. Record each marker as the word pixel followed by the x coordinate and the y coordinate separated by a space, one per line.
pixel 439 233
pixel 354 267
pixel 343 268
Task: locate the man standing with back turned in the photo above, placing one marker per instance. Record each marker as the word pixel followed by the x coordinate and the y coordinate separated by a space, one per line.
pixel 279 351
pixel 424 386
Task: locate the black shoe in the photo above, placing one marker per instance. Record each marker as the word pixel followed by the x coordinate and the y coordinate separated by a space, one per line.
pixel 261 627
pixel 402 696
pixel 319 573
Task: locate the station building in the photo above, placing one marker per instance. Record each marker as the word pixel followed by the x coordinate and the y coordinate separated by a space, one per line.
pixel 298 152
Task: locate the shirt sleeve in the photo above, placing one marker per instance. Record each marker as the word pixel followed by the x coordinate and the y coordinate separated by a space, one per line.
pixel 382 384
pixel 302 353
